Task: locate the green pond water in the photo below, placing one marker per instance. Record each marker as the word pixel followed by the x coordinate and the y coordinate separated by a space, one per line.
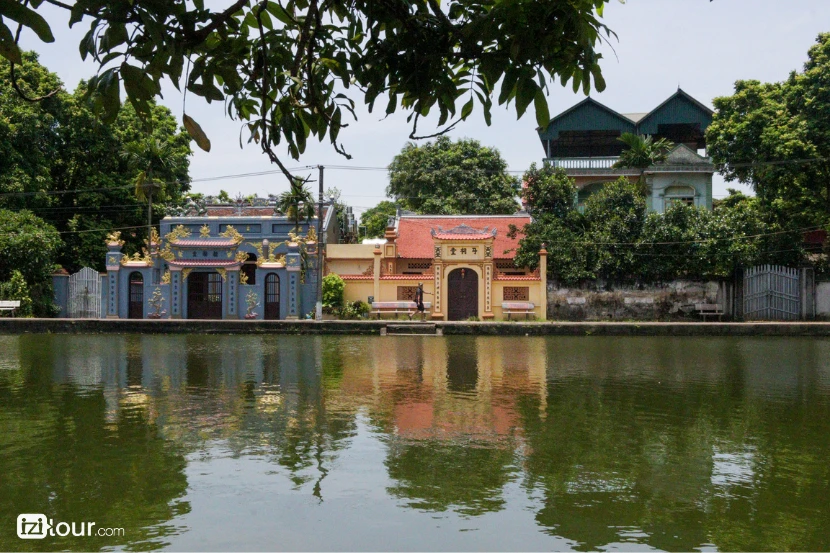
pixel 206 442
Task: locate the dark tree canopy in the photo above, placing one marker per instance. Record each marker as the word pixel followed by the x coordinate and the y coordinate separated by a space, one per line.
pixel 285 68
pixel 376 218
pixel 450 178
pixel 58 160
pixel 775 137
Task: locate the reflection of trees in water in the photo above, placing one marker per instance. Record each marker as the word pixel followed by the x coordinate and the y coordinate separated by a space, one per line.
pixel 437 476
pixel 678 466
pixel 62 457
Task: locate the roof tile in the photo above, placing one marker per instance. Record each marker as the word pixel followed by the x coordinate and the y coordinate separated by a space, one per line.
pixel 415 240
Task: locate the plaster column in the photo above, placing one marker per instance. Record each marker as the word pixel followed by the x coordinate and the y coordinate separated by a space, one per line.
pixel 376 273
pixel 113 274
pixel 488 291
pixel 292 267
pixel 176 288
pixel 543 275
pixel 231 285
pixel 436 309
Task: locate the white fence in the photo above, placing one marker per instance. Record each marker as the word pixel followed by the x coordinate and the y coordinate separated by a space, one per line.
pixel 85 294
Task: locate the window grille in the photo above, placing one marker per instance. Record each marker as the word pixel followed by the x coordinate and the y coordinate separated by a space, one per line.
pixel 406 293
pixel 516 293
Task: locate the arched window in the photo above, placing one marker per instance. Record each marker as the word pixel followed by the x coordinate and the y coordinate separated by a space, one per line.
pixel 249 268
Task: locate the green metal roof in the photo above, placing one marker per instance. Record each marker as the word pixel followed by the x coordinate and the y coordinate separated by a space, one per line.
pixel 590 115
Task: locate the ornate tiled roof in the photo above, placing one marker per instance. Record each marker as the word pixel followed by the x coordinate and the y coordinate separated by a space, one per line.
pixel 463 232
pixel 357 277
pixel 205 263
pixel 213 242
pixel 415 240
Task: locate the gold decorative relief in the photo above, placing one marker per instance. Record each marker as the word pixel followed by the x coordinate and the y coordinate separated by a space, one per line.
pixel 165 278
pixel 185 272
pixel 178 233
pixel 233 234
pixel 204 232
pixel 241 257
pixel 222 272
pixel 115 238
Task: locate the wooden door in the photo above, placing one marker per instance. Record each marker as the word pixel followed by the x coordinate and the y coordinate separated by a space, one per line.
pixel 136 306
pixel 204 296
pixel 462 294
pixel 272 297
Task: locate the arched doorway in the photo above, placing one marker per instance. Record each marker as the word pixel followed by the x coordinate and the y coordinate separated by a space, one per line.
pixel 136 307
pixel 204 296
pixel 249 269
pixel 462 294
pixel 272 297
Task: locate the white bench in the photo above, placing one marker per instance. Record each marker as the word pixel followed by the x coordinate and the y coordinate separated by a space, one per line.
pixel 706 309
pixel 521 307
pixel 396 307
pixel 9 305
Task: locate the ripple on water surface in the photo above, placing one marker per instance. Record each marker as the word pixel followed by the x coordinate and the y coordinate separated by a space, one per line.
pixel 474 443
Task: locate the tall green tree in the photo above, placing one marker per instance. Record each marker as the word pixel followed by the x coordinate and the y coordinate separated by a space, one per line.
pixel 775 137
pixel 376 218
pixel 297 203
pixel 281 66
pixel 28 249
pixel 449 177
pixel 154 162
pixel 61 162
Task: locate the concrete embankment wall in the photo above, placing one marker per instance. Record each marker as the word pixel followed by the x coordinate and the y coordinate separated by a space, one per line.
pixel 670 301
pixel 87 326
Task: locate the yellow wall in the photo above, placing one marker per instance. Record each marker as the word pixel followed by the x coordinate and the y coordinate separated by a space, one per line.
pixel 535 296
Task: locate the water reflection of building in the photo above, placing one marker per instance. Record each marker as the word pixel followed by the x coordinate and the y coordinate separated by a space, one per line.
pixel 457 386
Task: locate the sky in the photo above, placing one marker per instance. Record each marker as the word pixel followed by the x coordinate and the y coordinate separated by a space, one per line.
pixel 698 45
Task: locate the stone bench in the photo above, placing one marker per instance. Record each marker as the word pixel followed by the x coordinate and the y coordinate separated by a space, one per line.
pixel 396 307
pixel 520 307
pixel 706 309
pixel 9 305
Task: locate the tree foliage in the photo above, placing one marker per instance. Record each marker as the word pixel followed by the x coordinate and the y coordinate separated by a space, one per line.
pixel 775 137
pixel 333 290
pixel 28 248
pixel 452 177
pixel 58 160
pixel 376 218
pixel 286 68
pixel 617 242
pixel 297 203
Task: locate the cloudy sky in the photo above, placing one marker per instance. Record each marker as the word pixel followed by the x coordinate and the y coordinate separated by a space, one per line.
pixel 701 46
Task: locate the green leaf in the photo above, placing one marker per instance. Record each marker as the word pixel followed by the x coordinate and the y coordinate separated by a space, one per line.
pixel 8 49
pixel 28 18
pixel 196 133
pixel 279 12
pixel 467 109
pixel 542 112
pixel 527 90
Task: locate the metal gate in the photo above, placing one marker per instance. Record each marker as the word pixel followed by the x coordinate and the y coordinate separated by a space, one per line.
pixel 772 293
pixel 85 294
pixel 272 296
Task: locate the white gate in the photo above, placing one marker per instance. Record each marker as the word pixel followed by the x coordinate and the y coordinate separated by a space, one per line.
pixel 85 294
pixel 772 293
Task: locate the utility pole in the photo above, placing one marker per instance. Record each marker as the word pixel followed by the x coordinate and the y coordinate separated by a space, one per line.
pixel 319 310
